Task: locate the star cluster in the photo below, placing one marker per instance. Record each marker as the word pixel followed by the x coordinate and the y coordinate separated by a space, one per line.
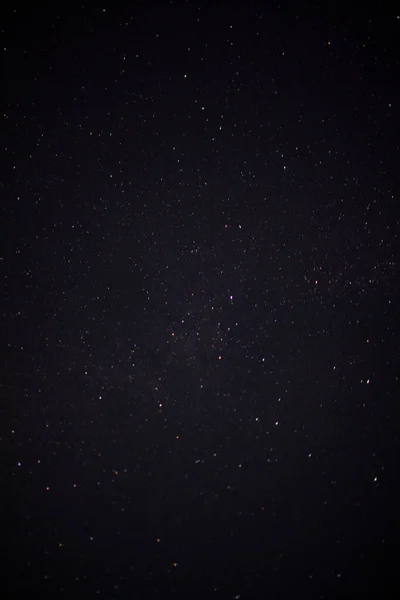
pixel 200 269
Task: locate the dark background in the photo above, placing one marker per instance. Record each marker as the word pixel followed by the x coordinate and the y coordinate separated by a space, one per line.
pixel 200 295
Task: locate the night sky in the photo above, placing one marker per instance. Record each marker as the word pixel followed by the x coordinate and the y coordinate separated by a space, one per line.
pixel 200 229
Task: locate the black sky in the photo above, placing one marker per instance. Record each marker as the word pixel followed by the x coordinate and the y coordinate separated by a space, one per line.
pixel 200 295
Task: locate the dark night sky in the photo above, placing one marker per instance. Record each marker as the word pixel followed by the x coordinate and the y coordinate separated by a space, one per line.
pixel 200 296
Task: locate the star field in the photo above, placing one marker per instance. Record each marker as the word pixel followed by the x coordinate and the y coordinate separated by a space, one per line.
pixel 200 267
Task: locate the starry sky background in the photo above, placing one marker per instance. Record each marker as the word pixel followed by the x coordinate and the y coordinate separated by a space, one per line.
pixel 200 295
